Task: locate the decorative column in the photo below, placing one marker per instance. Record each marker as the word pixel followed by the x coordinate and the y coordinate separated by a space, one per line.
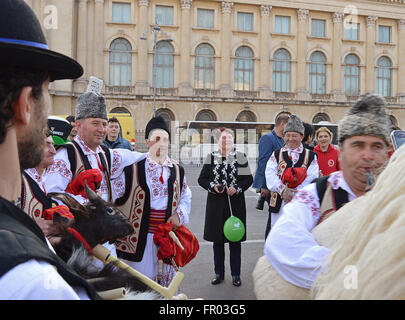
pixel 302 90
pixel 99 39
pixel 337 90
pixel 185 88
pixel 264 87
pixel 401 61
pixel 370 48
pixel 225 88
pixel 82 36
pixel 142 85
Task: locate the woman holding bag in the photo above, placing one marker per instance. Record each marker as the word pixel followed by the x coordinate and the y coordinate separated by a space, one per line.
pixel 225 173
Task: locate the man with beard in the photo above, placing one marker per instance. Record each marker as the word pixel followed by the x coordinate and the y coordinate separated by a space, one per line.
pixel 33 196
pixel 364 138
pixel 29 269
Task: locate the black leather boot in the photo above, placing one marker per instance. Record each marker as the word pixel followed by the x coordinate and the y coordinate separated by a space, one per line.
pixel 236 281
pixel 218 279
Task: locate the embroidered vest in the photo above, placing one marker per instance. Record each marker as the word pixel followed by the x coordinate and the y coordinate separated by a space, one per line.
pixel 284 162
pixel 330 200
pixel 79 162
pixel 33 200
pixel 135 205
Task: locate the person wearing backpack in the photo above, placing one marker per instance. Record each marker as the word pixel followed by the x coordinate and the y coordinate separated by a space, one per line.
pixel 363 137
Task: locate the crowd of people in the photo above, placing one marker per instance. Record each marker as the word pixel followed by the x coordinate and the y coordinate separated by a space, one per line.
pixel 302 182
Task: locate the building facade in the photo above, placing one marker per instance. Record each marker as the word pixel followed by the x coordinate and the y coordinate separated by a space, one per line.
pixel 245 60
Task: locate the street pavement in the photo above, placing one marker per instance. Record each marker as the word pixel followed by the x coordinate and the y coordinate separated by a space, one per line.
pixel 199 272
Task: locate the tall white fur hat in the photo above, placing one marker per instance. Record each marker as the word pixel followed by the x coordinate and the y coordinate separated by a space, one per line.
pixel 367 117
pixel 294 125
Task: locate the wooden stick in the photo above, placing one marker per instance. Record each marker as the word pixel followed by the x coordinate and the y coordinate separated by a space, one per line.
pixel 176 240
pixel 113 294
pixel 104 255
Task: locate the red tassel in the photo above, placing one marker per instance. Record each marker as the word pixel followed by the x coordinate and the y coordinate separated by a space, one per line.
pixel 161 177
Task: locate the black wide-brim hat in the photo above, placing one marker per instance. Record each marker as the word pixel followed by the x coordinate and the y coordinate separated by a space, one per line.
pixel 23 44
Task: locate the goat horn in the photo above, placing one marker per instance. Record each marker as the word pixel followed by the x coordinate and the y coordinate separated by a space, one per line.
pixel 91 195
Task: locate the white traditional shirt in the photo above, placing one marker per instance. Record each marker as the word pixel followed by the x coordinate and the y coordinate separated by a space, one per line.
pixel 37 280
pixel 33 173
pixel 159 191
pixel 275 184
pixel 290 247
pixel 59 175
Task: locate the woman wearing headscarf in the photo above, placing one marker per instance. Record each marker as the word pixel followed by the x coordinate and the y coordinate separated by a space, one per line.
pixel 225 173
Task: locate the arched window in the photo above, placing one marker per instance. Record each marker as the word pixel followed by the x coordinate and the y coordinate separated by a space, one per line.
pixel 120 110
pixel 167 116
pixel 244 69
pixel 246 116
pixel 281 71
pixel 120 63
pixel 164 65
pixel 352 75
pixel 384 76
pixel 320 117
pixel 206 115
pixel 204 70
pixel 317 73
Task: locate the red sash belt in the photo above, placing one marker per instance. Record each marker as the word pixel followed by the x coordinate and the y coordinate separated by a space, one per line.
pixel 156 217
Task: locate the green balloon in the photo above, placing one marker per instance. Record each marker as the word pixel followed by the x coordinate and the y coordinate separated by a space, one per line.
pixel 234 229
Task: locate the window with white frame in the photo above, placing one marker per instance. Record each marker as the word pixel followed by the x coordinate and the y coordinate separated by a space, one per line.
pixel 282 24
pixel 317 73
pixel 164 15
pixel 245 21
pixel 281 71
pixel 164 65
pixel 120 63
pixel 121 12
pixel 318 28
pixel 384 76
pixel 352 31
pixel 384 34
pixel 205 18
pixel 244 68
pixel 351 75
pixel 204 70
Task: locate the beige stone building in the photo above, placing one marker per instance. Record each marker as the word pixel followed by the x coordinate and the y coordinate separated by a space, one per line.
pixel 245 60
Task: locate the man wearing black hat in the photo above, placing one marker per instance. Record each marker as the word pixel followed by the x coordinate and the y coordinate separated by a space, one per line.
pixel 28 267
pixel 158 188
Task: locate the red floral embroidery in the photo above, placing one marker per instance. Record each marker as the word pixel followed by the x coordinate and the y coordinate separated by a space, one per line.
pixel 309 201
pixel 117 159
pixel 60 167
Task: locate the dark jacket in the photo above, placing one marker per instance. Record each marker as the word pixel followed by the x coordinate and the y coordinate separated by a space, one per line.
pixel 217 211
pixel 268 143
pixel 120 143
